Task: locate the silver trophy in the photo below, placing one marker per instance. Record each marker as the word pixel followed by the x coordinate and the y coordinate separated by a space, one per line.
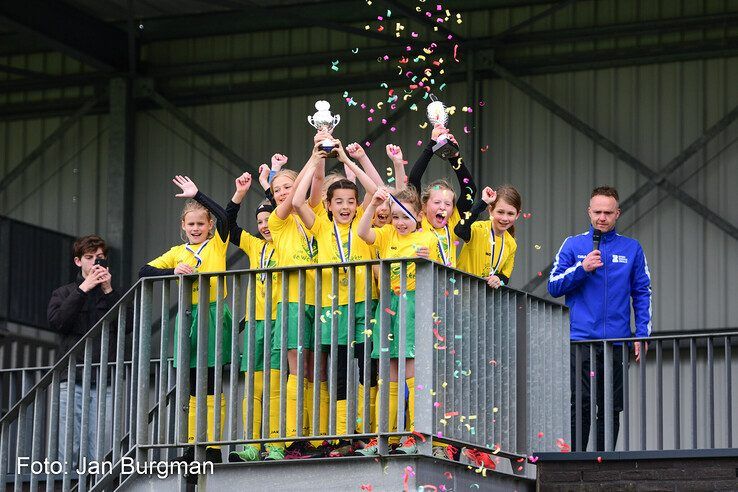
pixel 323 120
pixel 444 148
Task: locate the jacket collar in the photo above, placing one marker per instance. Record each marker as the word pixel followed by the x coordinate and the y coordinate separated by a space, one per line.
pixel 606 236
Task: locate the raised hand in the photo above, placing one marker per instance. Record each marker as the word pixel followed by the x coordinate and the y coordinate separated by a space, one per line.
pixel 394 152
pixel 438 130
pixel 320 136
pixel 264 176
pixel 243 183
pixel 355 150
pixel 278 160
pixel 380 196
pixel 341 151
pixel 95 277
pixel 489 195
pixel 189 189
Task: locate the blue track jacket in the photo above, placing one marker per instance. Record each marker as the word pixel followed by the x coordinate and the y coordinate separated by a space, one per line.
pixel 599 301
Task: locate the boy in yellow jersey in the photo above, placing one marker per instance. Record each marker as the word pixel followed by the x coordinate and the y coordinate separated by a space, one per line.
pixel 401 239
pixel 295 246
pixel 260 251
pixel 490 246
pixel 203 251
pixel 338 242
pixel 441 210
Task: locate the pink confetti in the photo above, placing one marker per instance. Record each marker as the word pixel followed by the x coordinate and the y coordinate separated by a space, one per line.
pixel 527 216
pixel 466 129
pixel 533 459
pixel 481 104
pixel 485 148
pixel 599 459
pixel 437 404
pixel 448 475
pixel 389 311
pixel 414 34
pixel 438 335
pixel 540 435
pixel 456 48
pixel 540 274
pixel 419 436
pixel 420 142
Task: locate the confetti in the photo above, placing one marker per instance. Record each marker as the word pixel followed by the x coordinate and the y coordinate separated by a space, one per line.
pixel 527 216
pixel 537 246
pixel 540 435
pixel 367 487
pixel 437 404
pixel 540 274
pixel 438 336
pixel 599 459
pixel 355 50
pixel 419 436
pixel 334 65
pixel 485 148
pixel 466 129
pixel 533 459
pixel 448 475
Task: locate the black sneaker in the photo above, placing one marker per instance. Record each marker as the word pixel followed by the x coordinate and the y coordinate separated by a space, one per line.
pixel 214 455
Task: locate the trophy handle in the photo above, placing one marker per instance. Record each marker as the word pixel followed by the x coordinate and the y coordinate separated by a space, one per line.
pixel 310 121
pixel 336 120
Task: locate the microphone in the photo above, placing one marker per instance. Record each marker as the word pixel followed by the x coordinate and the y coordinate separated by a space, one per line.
pixel 596 236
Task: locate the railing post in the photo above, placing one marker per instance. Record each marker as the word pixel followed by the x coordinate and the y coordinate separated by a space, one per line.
pixel 144 361
pixel 424 367
pixel 182 344
pixel 607 364
pixel 522 332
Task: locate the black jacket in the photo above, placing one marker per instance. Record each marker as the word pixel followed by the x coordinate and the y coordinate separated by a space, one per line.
pixel 72 313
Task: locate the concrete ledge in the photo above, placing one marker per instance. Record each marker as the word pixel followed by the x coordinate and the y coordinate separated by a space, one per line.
pixel 350 473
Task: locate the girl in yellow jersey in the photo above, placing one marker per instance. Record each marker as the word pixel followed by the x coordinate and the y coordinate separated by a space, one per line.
pixel 400 239
pixel 441 211
pixel 338 242
pixel 260 251
pixel 294 246
pixel 490 246
pixel 205 228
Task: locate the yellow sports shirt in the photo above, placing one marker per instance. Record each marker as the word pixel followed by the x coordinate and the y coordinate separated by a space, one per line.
pixel 208 256
pixel 476 255
pixel 445 237
pixel 294 245
pixel 390 244
pixel 261 255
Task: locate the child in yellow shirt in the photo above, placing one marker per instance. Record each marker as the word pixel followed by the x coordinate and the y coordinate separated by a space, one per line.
pixel 490 246
pixel 205 229
pixel 400 239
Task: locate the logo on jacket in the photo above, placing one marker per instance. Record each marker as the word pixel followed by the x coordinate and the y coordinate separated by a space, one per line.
pixel 619 259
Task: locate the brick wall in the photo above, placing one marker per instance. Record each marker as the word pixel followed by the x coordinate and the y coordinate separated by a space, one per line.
pixel 617 473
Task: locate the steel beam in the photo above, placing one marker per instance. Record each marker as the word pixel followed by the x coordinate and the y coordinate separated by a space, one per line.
pixel 535 18
pixel 239 164
pixel 47 142
pixel 121 155
pixel 660 178
pixel 69 30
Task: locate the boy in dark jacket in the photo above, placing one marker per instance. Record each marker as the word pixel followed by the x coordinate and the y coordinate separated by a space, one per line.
pixel 74 309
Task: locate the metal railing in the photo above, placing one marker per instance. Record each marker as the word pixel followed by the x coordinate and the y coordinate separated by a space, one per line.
pixel 680 396
pixel 489 366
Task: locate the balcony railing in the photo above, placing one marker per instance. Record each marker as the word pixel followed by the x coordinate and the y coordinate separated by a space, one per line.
pixel 491 373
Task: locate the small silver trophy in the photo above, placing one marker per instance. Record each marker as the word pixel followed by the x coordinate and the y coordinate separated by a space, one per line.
pixel 444 148
pixel 323 120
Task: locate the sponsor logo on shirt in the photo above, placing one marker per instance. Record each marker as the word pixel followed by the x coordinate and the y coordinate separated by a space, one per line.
pixel 619 259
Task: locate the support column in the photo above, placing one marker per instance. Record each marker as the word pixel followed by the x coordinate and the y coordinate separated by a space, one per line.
pixel 120 181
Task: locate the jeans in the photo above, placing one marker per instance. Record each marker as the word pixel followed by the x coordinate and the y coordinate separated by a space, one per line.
pixel 92 431
pixel 599 377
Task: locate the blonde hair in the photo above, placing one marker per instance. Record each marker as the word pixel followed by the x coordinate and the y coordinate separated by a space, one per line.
pixel 194 206
pixel 439 184
pixel 328 181
pixel 283 172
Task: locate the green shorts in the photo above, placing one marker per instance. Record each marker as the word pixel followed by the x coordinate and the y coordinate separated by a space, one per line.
pixel 258 348
pixel 326 323
pixel 394 344
pixel 227 321
pixel 291 326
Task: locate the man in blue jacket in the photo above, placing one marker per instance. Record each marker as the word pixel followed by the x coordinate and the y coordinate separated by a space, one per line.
pixel 599 285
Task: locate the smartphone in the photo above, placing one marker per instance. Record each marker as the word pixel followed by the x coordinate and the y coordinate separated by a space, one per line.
pixel 102 262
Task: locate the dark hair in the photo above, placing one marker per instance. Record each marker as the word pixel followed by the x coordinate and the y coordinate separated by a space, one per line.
pixel 606 191
pixel 511 195
pixel 88 244
pixel 340 184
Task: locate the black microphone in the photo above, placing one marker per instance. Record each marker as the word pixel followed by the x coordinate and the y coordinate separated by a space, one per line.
pixel 596 236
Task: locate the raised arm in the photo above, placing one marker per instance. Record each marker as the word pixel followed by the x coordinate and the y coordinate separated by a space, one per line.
pixel 243 183
pixel 299 199
pixel 364 229
pixel 369 185
pixel 394 152
pixel 189 190
pixel 356 151
pixel 316 187
pixel 463 228
pixel 466 182
pixel 285 208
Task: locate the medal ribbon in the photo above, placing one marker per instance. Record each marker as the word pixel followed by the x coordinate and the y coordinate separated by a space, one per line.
pixel 337 234
pixel 264 264
pixel 197 254
pixel 444 255
pixel 493 243
pixel 309 241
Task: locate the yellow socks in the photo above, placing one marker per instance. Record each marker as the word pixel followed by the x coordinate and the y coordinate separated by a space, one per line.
pixel 410 424
pixel 372 410
pixel 341 424
pixel 257 393
pixel 393 391
pixel 291 411
pixel 274 381
pixel 373 407
pixel 211 418
pixel 191 420
pixel 325 401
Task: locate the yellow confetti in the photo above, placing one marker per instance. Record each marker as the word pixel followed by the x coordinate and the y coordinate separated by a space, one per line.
pixel 456 292
pixel 537 246
pixel 331 296
pixel 368 332
pixel 444 384
pixel 451 110
pixel 495 409
pixel 472 417
pixel 379 382
pixel 443 421
pixel 433 393
pixel 423 125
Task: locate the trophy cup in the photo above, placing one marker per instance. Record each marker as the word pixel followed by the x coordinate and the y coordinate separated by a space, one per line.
pixel 323 120
pixel 444 148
